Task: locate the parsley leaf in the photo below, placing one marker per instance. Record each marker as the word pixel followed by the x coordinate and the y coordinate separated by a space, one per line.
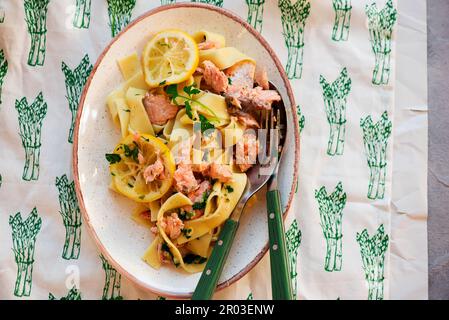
pixel 229 189
pixel 229 81
pixel 205 124
pixel 194 259
pixel 131 153
pixel 186 233
pixel 191 90
pixel 162 83
pixel 189 110
pixel 202 204
pixel 113 158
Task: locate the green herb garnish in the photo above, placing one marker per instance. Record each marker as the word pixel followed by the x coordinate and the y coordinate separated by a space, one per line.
pixel 113 158
pixel 126 110
pixel 186 233
pixel 205 124
pixel 172 92
pixel 229 189
pixel 132 153
pixel 186 215
pixel 162 83
pixel 202 204
pixel 229 81
pixel 194 259
pixel 189 110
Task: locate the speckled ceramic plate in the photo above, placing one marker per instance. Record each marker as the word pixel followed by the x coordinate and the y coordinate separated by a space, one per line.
pixel 106 214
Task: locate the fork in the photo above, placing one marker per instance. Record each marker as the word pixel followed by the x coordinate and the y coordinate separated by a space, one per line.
pixel 281 284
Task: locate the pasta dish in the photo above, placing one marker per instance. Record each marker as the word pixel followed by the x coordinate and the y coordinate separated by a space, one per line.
pixel 188 112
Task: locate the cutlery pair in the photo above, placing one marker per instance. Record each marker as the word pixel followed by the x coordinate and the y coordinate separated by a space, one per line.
pixel 274 121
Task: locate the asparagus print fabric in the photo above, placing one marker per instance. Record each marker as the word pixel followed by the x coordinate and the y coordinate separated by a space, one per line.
pixel 340 57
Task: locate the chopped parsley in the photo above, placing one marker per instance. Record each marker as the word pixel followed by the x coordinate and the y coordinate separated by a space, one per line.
pixel 229 81
pixel 229 189
pixel 184 215
pixel 190 91
pixel 186 233
pixel 202 204
pixel 194 259
pixel 113 158
pixel 189 110
pixel 142 197
pixel 130 185
pixel 205 124
pixel 132 153
pixel 126 110
pixel 162 83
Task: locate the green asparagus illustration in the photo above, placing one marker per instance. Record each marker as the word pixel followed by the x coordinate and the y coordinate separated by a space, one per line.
pixel 301 119
pixel 81 19
pixel 380 24
pixel 331 212
pixel 293 239
pixel 111 289
pixel 119 12
pixel 36 19
pixel 24 233
pixel 250 296
pixel 3 71
pixel 294 18
pixel 71 217
pixel 335 97
pixel 373 252
pixel 73 294
pixel 342 9
pixel 255 13
pixel 164 2
pixel 31 117
pixel 218 3
pixel 74 83
pixel 375 139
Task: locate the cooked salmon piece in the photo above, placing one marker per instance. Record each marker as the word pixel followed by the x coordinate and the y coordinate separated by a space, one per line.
pixel 197 195
pixel 246 151
pixel 206 45
pixel 261 78
pixel 185 181
pixel 214 77
pixel 154 171
pixel 172 225
pixel 202 168
pixel 159 108
pixel 196 213
pixel 141 158
pixel 254 99
pixel 154 230
pixel 241 76
pixel 220 172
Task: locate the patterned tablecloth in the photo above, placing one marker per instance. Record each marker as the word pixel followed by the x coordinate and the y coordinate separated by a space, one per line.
pixel 357 228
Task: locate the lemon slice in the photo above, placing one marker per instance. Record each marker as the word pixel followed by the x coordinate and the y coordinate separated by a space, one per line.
pixel 128 172
pixel 170 57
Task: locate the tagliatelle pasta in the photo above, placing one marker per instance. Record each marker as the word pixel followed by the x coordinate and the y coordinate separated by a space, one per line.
pixel 183 110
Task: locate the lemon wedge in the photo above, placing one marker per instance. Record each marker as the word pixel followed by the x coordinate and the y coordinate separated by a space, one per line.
pixel 130 176
pixel 170 57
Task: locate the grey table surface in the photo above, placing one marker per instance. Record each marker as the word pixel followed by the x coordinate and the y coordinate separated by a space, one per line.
pixel 438 174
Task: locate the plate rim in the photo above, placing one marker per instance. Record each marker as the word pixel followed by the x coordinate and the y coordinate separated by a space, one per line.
pixel 75 170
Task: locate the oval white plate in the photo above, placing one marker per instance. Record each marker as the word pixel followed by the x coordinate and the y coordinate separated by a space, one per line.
pixel 107 214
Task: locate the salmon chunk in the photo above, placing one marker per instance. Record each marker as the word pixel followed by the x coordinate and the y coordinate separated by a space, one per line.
pixel 246 152
pixel 197 195
pixel 214 77
pixel 172 225
pixel 159 108
pixel 254 99
pixel 154 171
pixel 241 75
pixel 261 78
pixel 185 181
pixel 220 172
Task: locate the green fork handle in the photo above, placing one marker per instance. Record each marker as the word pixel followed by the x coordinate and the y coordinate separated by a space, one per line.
pixel 281 285
pixel 209 278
